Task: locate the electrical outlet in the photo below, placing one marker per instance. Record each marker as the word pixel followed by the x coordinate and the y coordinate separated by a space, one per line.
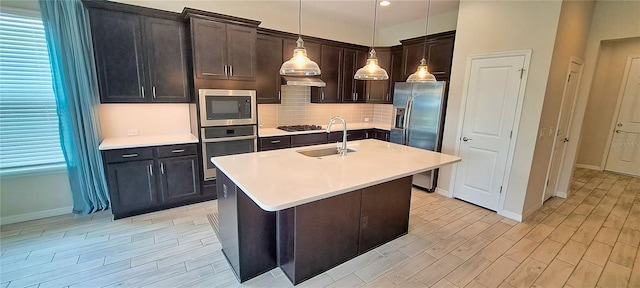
pixel 366 119
pixel 542 132
pixel 132 132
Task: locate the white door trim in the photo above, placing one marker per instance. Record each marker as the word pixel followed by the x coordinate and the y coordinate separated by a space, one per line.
pixel 614 119
pixel 562 171
pixel 516 121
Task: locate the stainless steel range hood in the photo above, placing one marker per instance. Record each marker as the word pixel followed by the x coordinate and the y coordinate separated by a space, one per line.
pixel 303 81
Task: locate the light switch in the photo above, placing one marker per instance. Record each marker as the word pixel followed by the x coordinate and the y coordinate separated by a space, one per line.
pixel 551 131
pixel 542 132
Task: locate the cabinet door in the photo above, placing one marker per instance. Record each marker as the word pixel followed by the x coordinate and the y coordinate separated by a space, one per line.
pixel 209 49
pixel 330 64
pixel 167 60
pixel 349 68
pixel 180 178
pixel 360 87
pixel 378 91
pixel 241 52
pixel 132 186
pixel 440 53
pixel 118 50
pixel 396 71
pixel 412 54
pixel 268 66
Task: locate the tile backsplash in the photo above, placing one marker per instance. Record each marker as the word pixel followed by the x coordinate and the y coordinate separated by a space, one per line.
pixel 122 120
pixel 295 109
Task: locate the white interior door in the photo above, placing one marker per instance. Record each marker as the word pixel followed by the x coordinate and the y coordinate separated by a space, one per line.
pixel 624 149
pixel 491 101
pixel 562 130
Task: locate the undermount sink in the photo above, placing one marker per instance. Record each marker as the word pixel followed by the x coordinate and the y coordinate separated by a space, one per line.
pixel 323 152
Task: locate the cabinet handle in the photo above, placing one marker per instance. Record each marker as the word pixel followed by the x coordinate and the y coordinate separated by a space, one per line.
pixel 322 95
pixel 213 74
pixel 153 90
pixel 129 155
pixel 225 71
pixel 161 167
pixel 356 97
pixel 230 70
pixel 151 169
pixel 142 91
pixel 224 190
pixel 279 95
pixel 275 141
pixel 388 97
pixel 177 151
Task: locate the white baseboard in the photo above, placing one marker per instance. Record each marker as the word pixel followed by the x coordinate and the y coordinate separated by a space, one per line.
pixel 562 194
pixel 511 215
pixel 35 215
pixel 443 192
pixel 591 167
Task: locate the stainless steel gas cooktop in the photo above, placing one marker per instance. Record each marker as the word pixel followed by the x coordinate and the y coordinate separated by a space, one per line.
pixel 294 128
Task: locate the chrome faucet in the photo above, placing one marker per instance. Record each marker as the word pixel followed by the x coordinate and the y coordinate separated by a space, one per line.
pixel 342 150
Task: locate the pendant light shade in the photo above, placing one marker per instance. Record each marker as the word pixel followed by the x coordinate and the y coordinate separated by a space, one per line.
pixel 371 70
pixel 299 64
pixel 422 74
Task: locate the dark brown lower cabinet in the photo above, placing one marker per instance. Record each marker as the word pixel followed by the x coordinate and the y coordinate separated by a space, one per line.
pixel 310 238
pixel 146 179
pixel 247 233
pixel 381 134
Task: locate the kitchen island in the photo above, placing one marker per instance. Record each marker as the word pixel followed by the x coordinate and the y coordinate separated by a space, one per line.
pixel 308 214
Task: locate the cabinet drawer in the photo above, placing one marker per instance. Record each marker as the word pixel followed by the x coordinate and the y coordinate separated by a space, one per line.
pixel 352 135
pixel 126 155
pixel 278 142
pixel 308 139
pixel 177 150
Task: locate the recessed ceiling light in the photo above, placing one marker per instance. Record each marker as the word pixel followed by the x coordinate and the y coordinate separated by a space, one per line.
pixel 385 3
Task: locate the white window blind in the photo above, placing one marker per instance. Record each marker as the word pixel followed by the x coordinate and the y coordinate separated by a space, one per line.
pixel 29 133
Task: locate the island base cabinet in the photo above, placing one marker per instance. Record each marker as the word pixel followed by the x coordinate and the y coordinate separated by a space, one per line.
pixel 247 233
pixel 319 235
pixel 385 213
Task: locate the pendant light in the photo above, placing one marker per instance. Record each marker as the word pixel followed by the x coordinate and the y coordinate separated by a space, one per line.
pixel 422 75
pixel 299 64
pixel 372 71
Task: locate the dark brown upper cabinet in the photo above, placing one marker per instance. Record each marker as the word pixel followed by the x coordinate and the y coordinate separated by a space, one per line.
pixel 378 91
pixel 353 91
pixel 139 58
pixel 331 66
pixel 438 53
pixel 395 73
pixel 223 51
pixel 268 79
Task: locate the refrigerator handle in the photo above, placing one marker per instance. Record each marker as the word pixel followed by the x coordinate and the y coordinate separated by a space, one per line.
pixel 407 121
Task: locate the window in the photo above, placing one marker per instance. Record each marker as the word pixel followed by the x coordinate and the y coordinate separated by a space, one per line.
pixel 29 133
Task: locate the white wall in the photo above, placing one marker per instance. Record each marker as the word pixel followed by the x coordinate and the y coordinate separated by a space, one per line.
pixel 274 15
pixel 571 40
pixel 29 197
pixel 495 26
pixel 611 20
pixel 390 36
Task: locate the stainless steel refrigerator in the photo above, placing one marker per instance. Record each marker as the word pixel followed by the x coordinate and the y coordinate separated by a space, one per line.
pixel 418 110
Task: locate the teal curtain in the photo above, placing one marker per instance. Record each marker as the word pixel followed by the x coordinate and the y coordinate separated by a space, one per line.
pixel 75 85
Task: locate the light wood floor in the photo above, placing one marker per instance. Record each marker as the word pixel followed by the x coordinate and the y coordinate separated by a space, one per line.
pixel 591 239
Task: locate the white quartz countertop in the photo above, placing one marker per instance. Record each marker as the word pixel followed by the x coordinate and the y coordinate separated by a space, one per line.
pixel 281 179
pixel 144 141
pixel 337 126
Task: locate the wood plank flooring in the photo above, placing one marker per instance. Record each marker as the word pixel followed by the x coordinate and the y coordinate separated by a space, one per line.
pixel 588 240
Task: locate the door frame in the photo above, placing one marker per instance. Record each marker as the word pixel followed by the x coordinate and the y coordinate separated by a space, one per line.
pixel 562 171
pixel 514 128
pixel 616 113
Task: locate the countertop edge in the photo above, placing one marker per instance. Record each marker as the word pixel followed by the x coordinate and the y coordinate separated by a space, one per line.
pixel 359 126
pixel 146 141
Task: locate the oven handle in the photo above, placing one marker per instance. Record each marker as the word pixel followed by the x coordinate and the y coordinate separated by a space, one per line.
pixel 227 139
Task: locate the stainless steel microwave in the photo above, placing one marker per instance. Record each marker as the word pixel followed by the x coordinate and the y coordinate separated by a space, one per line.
pixel 227 107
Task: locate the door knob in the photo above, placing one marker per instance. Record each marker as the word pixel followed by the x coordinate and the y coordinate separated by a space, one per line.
pixel 465 139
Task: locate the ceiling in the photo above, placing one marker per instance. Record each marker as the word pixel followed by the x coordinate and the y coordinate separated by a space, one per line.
pixel 360 12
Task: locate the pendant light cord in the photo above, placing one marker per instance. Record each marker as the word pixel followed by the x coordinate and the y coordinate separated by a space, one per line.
pixel 299 19
pixel 426 26
pixel 375 16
